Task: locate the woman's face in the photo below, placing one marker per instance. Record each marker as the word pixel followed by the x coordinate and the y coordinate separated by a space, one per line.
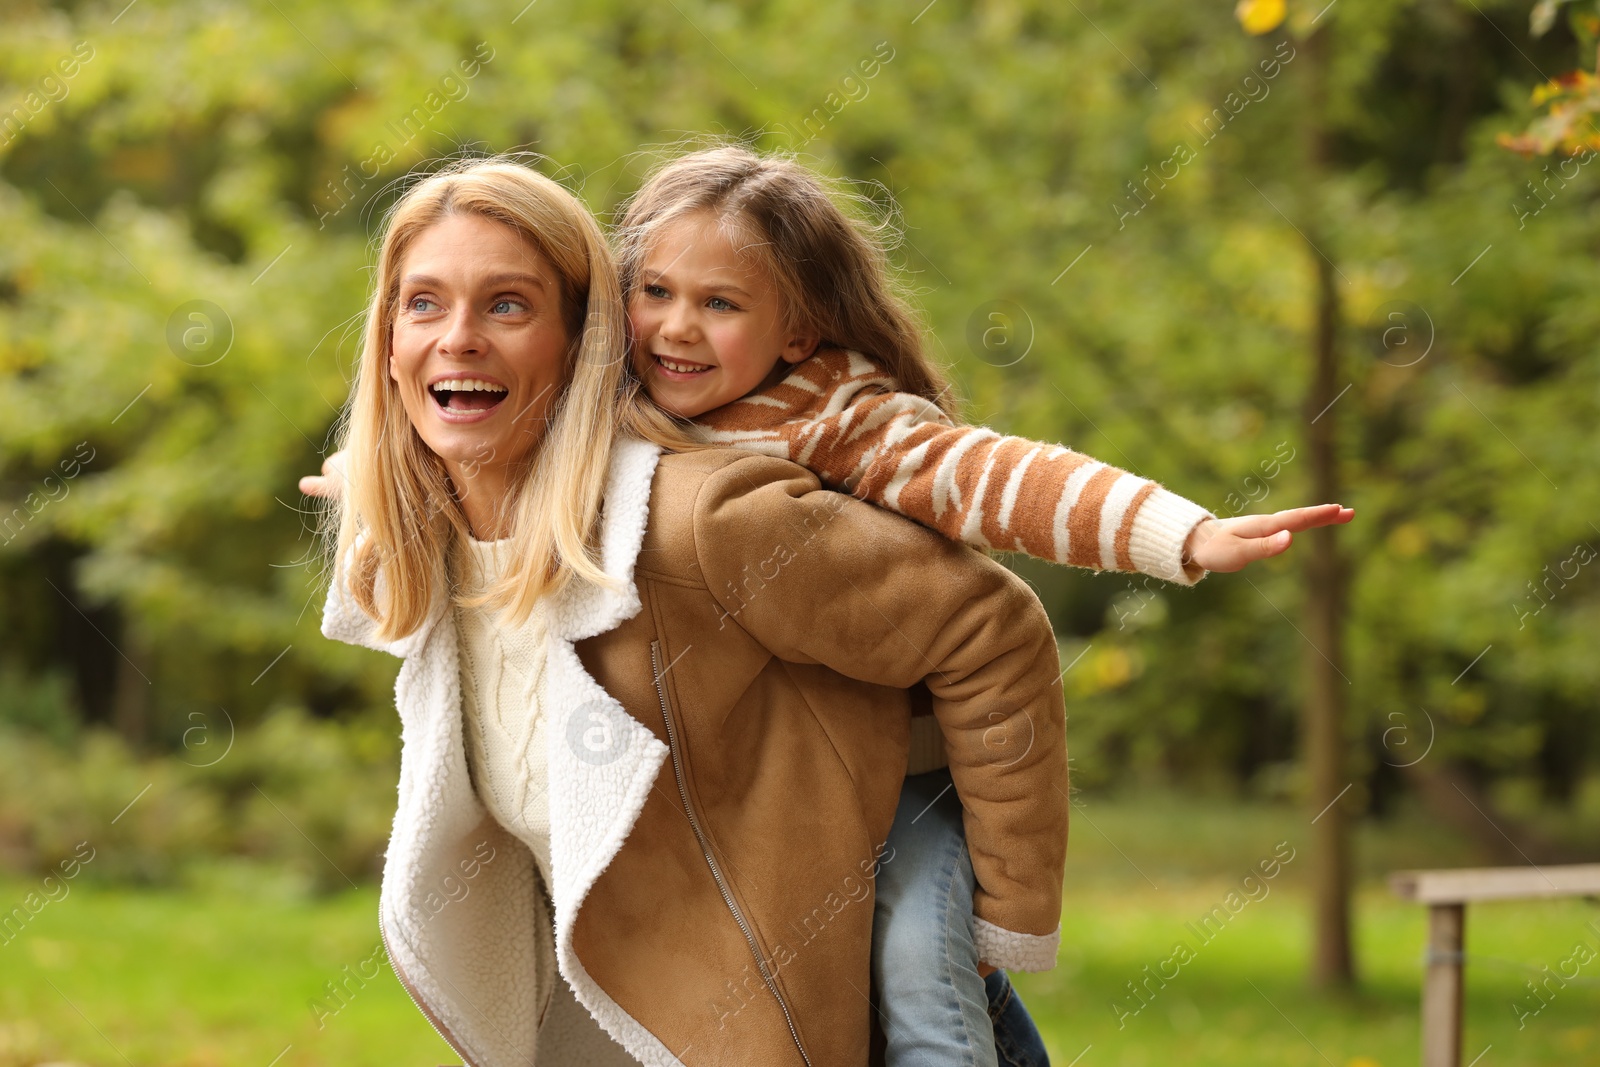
pixel 479 344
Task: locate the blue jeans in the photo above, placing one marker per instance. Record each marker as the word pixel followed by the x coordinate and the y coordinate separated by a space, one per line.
pixel 935 1009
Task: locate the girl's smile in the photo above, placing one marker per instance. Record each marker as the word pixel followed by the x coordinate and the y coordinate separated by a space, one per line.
pixel 708 323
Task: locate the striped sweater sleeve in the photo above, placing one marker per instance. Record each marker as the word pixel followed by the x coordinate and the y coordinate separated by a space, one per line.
pixel 840 415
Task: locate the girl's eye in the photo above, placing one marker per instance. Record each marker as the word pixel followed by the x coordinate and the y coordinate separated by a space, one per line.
pixel 655 291
pixel 507 307
pixel 716 303
pixel 421 305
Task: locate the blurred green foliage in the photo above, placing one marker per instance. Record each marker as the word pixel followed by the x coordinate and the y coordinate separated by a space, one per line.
pixel 1104 210
pixel 297 801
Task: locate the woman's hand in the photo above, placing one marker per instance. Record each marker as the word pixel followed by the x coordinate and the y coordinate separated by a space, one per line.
pixel 1228 544
pixel 329 485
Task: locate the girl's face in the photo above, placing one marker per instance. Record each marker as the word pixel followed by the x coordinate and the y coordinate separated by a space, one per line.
pixel 707 324
pixel 479 344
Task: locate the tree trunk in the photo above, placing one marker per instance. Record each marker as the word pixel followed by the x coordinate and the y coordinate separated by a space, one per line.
pixel 130 706
pixel 1332 962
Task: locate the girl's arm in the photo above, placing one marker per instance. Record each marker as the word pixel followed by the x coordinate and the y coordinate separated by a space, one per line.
pixel 815 577
pixel 841 416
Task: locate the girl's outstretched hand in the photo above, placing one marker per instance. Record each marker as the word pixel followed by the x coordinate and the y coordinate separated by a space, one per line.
pixel 329 485
pixel 1228 544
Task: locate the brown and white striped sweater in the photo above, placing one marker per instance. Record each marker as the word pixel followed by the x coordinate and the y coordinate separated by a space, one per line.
pixel 842 416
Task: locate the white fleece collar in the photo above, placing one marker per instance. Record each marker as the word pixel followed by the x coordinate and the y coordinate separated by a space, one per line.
pixel 584 610
pixel 470 950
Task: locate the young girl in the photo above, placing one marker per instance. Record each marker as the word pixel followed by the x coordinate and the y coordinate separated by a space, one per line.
pixel 766 315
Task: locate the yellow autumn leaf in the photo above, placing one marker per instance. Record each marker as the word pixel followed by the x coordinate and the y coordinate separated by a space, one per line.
pixel 1260 16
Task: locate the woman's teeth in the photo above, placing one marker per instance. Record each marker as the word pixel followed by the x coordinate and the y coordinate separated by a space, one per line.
pixel 467 394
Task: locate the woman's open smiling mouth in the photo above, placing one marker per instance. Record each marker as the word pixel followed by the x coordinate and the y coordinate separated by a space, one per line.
pixel 465 398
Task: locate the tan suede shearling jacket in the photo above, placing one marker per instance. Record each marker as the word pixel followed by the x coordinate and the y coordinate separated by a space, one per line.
pixel 728 737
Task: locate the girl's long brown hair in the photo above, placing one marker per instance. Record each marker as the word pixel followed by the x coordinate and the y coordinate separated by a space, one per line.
pixel 831 267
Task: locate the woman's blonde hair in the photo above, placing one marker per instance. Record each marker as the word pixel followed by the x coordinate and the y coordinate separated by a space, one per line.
pixel 831 268
pixel 400 524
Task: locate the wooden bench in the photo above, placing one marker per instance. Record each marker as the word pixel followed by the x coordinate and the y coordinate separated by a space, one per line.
pixel 1447 894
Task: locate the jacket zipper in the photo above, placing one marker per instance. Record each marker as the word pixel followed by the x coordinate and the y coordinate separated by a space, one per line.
pixel 416 998
pixel 711 860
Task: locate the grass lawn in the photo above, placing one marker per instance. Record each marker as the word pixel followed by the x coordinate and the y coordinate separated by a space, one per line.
pixel 108 977
pixel 1140 871
pixel 225 973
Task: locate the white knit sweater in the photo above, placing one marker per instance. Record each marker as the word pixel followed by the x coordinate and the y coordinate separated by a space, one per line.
pixel 474 959
pixel 502 669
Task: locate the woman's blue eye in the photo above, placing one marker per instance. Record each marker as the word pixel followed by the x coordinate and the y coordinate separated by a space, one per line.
pixel 417 303
pixel 503 307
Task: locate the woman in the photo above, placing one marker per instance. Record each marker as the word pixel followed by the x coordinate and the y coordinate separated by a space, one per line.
pixel 665 696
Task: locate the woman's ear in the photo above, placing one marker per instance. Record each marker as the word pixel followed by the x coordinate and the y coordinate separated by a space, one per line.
pixel 800 347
